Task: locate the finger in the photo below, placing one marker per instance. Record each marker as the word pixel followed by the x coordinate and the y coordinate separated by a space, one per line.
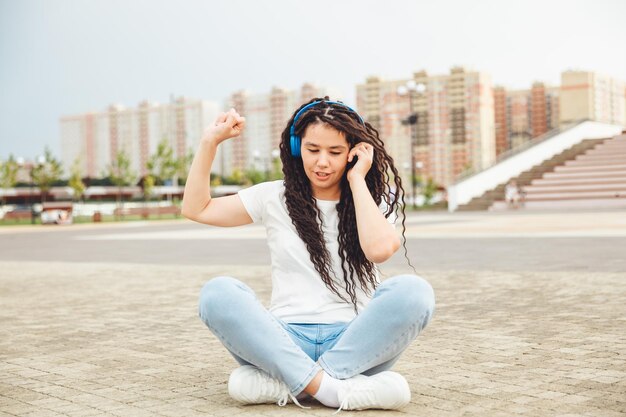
pixel 239 126
pixel 363 154
pixel 359 146
pixel 240 120
pixel 230 119
pixel 369 149
pixel 351 154
pixel 221 118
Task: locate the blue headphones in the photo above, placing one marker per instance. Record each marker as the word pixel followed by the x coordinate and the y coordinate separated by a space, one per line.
pixel 296 140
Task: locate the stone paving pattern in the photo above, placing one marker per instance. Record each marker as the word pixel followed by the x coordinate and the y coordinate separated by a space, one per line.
pixel 88 339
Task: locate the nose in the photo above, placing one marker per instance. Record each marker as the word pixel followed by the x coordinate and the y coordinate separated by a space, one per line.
pixel 322 160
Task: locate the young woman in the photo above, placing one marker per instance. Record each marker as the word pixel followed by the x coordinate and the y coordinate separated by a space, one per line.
pixel 333 330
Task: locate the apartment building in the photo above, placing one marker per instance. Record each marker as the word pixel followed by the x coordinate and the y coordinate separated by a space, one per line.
pixel 266 116
pixel 522 115
pixel 590 95
pixel 95 138
pixel 455 129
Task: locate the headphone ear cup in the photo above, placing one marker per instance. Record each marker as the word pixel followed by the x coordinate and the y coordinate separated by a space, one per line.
pixel 295 145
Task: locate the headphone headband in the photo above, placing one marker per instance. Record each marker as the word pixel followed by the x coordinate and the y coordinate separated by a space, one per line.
pixel 296 140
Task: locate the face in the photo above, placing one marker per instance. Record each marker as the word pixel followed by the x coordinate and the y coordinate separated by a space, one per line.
pixel 324 156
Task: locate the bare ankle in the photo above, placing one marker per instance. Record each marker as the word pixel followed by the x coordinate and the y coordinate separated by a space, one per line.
pixel 314 385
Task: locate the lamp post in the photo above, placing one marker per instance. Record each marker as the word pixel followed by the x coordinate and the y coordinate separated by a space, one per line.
pixel 21 163
pixel 40 161
pixel 411 120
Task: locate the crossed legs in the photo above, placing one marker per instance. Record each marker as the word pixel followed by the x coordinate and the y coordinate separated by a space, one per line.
pixel 401 307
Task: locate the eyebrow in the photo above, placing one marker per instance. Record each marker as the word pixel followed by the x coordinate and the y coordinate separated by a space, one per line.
pixel 317 146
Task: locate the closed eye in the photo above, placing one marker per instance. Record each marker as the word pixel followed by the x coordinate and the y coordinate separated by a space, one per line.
pixel 317 150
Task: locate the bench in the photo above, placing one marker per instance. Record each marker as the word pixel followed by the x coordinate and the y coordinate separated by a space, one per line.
pixel 17 215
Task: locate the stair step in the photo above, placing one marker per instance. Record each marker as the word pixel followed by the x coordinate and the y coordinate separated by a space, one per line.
pixel 592 168
pixel 603 162
pixel 617 139
pixel 603 151
pixel 564 204
pixel 577 181
pixel 542 189
pixel 591 173
pixel 607 155
pixel 577 196
pixel 620 147
pixel 584 174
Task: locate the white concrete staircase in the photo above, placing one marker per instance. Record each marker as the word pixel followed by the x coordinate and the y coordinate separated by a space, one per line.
pixel 593 180
pixel 479 189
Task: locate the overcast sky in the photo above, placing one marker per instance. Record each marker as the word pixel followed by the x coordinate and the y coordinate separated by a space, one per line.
pixel 61 57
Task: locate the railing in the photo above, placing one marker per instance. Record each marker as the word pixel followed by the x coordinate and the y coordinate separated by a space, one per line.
pixel 519 149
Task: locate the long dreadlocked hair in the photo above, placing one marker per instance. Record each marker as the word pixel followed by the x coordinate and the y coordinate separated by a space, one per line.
pixel 306 216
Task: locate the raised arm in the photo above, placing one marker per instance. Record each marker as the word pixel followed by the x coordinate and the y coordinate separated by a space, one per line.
pixel 197 202
pixel 378 238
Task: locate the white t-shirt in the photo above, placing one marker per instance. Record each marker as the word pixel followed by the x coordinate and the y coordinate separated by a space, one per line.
pixel 298 293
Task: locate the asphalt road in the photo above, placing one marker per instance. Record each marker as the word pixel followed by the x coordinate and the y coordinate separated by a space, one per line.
pixel 186 243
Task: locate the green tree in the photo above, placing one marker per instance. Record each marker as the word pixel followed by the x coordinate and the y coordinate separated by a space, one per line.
pixel 46 172
pixel 184 164
pixel 429 190
pixel 236 178
pixel 121 173
pixel 216 180
pixel 163 165
pixel 253 176
pixel 276 173
pixel 76 181
pixel 148 188
pixel 418 180
pixel 8 174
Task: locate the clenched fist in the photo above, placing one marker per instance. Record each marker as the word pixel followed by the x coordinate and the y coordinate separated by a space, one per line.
pixel 226 126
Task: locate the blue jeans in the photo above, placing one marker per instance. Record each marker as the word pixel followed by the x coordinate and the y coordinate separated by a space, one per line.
pixel 294 353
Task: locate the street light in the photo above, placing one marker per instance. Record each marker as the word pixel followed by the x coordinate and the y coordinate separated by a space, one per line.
pixel 21 163
pixel 407 90
pixel 40 161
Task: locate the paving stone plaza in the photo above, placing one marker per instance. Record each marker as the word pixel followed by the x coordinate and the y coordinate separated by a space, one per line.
pixel 101 320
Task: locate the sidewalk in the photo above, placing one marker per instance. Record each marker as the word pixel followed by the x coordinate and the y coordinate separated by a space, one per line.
pixel 124 340
pixel 437 224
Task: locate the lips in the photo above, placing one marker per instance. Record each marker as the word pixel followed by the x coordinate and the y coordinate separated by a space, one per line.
pixel 322 175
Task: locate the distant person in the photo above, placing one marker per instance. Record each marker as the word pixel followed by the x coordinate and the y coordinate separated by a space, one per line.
pixel 332 330
pixel 512 195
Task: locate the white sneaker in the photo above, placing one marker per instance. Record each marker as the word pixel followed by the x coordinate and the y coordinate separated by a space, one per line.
pixel 250 385
pixel 386 390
